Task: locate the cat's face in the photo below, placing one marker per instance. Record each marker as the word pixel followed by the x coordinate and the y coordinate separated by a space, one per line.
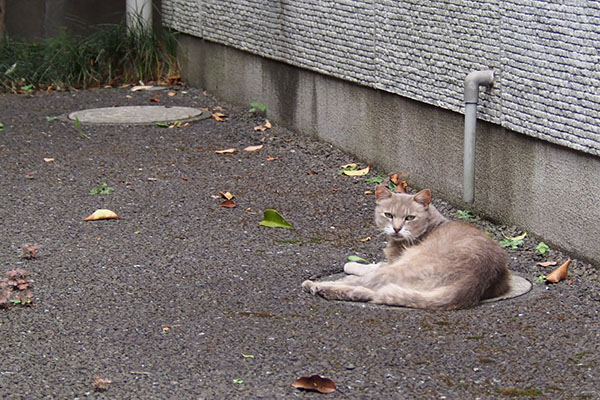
pixel 403 217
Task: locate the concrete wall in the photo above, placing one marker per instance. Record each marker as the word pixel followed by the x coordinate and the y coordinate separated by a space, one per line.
pixel 546 189
pixel 545 53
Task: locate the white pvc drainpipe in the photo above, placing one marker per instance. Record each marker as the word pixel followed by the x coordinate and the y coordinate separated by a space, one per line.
pixel 138 11
pixel 472 83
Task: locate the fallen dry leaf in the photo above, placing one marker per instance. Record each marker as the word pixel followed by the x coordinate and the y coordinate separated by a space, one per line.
pixel 263 127
pixel 101 384
pixel 559 273
pixel 155 99
pixel 219 116
pixel 401 187
pixel 254 148
pixel 228 204
pixel 272 158
pixel 367 192
pixel 394 178
pixel 172 94
pixel 546 263
pixel 226 195
pixel 357 172
pixel 226 151
pixel 365 239
pixel 141 87
pixel 316 383
pixel 218 108
pixel 101 214
pixel 48 159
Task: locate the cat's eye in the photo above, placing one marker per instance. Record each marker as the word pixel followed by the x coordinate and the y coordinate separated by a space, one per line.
pixel 409 218
pixel 388 215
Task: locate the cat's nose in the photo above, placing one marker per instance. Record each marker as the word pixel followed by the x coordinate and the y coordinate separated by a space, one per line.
pixel 397 229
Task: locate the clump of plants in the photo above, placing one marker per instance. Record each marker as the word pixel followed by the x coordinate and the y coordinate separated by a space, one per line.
pixel 15 289
pixel 113 54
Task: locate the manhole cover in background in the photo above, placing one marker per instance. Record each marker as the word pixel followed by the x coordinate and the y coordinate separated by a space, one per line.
pixel 138 115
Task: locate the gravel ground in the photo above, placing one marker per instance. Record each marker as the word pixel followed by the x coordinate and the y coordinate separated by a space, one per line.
pixel 183 299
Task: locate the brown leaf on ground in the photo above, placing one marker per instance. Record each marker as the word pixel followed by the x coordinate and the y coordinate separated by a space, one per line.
pixel 315 383
pixel 155 99
pixel 228 204
pixel 272 158
pixel 263 127
pixel 559 273
pixel 394 178
pixel 172 94
pixel 30 250
pixel 254 148
pixel 546 263
pixel 219 116
pixel 101 384
pixel 101 214
pixel 226 151
pixel 401 187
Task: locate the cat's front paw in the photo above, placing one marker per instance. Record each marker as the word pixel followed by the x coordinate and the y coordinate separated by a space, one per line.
pixel 310 287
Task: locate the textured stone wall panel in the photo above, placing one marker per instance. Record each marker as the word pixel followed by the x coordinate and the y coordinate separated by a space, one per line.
pixel 546 55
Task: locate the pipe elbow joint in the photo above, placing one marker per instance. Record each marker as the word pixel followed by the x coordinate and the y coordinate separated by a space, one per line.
pixel 473 81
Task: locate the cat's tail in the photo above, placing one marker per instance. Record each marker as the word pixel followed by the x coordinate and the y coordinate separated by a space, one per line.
pixel 440 298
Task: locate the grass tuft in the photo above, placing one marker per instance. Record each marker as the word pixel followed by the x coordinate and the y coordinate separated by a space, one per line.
pixel 113 54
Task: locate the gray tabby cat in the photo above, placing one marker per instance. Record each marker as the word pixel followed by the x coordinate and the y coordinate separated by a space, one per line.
pixel 432 262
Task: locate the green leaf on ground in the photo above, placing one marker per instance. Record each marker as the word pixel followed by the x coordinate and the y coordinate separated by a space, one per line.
pixel 102 189
pixel 375 180
pixel 357 259
pixel 273 219
pixel 464 215
pixel 257 107
pixel 49 119
pixel 1 126
pixel 512 242
pixel 542 248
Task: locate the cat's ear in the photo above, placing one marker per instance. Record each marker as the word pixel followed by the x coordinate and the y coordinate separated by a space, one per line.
pixel 381 192
pixel 423 197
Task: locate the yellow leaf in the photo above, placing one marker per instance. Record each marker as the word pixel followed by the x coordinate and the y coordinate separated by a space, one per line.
pixel 349 166
pixel 357 172
pixel 365 239
pixel 227 195
pixel 254 148
pixel 101 214
pixel 226 151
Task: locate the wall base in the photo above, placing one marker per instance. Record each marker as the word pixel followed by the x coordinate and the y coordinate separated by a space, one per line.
pixel 547 190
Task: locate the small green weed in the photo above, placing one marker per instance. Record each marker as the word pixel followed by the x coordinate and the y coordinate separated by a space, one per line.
pixel 375 180
pixel 103 188
pixel 1 126
pixel 512 242
pixel 542 248
pixel 112 54
pixel 50 119
pixel 256 107
pixel 79 129
pixel 540 278
pixel 465 215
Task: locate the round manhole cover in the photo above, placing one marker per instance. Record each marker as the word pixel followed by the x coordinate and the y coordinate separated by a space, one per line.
pixel 137 115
